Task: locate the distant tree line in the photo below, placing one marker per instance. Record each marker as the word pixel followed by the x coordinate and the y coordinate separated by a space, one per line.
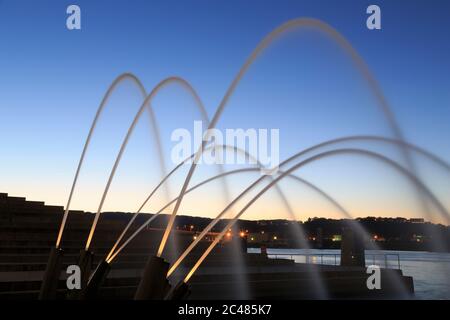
pixel 388 233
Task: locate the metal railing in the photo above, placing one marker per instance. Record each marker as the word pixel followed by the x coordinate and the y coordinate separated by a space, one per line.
pixel 335 258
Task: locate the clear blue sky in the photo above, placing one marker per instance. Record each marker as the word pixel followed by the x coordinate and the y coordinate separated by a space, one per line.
pixel 52 80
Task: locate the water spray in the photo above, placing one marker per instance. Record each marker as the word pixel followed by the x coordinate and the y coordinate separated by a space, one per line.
pixel 304 162
pixel 53 268
pixel 295 23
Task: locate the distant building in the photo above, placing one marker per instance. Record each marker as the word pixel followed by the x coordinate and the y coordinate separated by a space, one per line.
pixel 417 238
pixel 336 238
pixel 268 238
pixel 378 238
pixel 417 220
pixel 258 237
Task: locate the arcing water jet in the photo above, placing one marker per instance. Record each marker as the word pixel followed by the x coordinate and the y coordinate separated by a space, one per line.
pixel 358 228
pixel 105 99
pixel 330 142
pixel 304 162
pixel 413 178
pixel 237 171
pixel 162 84
pixel 52 270
pixel 415 148
pixel 300 22
pixel 291 24
pixel 198 185
pixel 124 144
pixel 169 175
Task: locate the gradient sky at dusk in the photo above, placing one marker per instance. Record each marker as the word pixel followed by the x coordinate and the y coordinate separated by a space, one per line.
pixel 52 80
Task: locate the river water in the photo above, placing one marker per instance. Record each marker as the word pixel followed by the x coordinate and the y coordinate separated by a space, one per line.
pixel 430 270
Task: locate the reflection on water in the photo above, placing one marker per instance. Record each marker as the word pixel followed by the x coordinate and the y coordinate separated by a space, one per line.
pixel 430 271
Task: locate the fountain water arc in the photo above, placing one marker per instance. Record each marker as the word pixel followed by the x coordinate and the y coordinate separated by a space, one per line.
pixel 168 176
pixel 413 179
pixel 295 23
pixel 204 115
pixel 115 83
pixel 358 228
pixel 310 149
pixel 133 218
pixel 211 225
pixel 138 115
pixel 434 158
pixel 430 156
pixel 299 165
pixel 237 171
pixel 198 102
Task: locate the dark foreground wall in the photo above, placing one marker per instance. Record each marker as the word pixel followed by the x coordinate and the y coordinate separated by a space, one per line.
pixel 28 230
